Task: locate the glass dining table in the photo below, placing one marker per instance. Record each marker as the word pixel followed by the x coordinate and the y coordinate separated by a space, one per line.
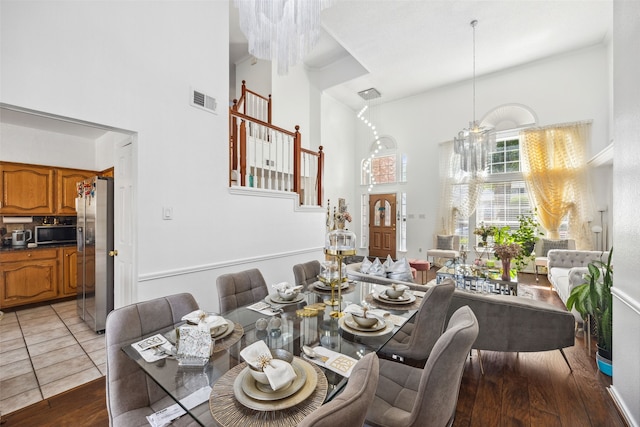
pixel 303 322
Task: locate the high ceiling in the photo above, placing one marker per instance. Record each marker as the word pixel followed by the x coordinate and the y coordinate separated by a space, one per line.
pixel 404 47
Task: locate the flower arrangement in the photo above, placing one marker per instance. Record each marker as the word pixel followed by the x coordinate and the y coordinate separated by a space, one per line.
pixel 484 231
pixel 340 215
pixel 507 250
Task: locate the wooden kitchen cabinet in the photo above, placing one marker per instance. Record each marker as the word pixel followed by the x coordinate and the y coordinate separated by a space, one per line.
pixel 69 263
pixel 28 276
pixel 26 189
pixel 66 189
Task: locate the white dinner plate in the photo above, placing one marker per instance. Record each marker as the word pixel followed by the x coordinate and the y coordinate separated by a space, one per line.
pixel 387 329
pixel 277 299
pixel 406 298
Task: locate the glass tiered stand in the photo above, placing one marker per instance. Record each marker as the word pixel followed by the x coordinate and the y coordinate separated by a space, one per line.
pixel 339 243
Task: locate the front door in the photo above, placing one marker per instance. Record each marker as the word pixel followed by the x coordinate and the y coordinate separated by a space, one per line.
pixel 382 225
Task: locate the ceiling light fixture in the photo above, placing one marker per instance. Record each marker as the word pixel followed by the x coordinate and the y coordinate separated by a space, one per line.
pixel 281 30
pixel 473 144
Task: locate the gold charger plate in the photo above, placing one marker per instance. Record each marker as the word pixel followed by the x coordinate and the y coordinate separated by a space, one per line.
pixel 275 405
pixel 388 328
pixel 255 390
pixel 277 299
pixel 406 298
pixel 350 322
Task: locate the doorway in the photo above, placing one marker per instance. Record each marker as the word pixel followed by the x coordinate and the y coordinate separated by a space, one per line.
pixel 382 225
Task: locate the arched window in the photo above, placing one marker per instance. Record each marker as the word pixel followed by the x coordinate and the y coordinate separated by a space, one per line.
pixel 384 165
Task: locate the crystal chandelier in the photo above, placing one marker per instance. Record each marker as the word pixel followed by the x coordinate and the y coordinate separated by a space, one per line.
pixel 473 144
pixel 281 30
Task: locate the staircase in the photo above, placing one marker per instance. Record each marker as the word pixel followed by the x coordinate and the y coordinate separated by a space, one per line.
pixel 266 157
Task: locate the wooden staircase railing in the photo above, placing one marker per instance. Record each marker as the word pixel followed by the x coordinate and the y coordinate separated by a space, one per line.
pixel 268 157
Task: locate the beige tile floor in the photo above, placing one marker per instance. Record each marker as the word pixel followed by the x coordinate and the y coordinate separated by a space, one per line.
pixel 45 351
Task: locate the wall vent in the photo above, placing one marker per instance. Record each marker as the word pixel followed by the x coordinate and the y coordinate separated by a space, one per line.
pixel 203 101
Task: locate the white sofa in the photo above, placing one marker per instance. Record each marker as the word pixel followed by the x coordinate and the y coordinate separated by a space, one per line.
pixel 566 270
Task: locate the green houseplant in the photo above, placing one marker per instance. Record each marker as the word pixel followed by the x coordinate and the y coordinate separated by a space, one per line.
pixel 526 236
pixel 593 298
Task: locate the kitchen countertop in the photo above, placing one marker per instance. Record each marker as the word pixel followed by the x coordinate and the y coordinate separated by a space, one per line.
pixel 22 248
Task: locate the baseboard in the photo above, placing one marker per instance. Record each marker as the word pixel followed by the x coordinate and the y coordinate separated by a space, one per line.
pixel 620 407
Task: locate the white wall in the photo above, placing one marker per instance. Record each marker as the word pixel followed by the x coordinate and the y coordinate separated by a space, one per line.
pixel 567 88
pixel 626 181
pixel 27 145
pixel 130 65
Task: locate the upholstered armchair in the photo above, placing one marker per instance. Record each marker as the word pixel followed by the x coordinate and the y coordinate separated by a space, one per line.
pixel 445 246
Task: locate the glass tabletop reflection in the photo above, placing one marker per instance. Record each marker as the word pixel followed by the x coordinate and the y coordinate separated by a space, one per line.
pixel 293 329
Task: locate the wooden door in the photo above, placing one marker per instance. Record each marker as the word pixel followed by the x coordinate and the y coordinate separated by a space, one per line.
pixel 125 292
pixel 382 225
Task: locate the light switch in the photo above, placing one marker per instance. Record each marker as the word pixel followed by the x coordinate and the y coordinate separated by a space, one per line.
pixel 167 212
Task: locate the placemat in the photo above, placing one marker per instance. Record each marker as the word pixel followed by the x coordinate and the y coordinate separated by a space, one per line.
pixel 227 411
pixel 229 340
pixel 313 288
pixel 377 303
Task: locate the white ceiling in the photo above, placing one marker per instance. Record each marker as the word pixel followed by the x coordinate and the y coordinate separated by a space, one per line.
pixel 406 47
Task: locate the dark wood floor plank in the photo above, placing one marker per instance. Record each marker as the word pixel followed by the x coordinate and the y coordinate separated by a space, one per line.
pixel 84 406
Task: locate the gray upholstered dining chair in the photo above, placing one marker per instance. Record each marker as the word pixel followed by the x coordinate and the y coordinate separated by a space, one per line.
pixel 242 288
pixel 349 407
pixel 306 273
pixel 412 344
pixel 131 394
pixel 408 396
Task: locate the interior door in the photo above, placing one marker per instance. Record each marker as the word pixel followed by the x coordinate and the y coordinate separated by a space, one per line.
pixel 382 225
pixel 124 227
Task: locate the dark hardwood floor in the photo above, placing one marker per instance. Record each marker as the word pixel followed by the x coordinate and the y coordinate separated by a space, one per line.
pixel 518 389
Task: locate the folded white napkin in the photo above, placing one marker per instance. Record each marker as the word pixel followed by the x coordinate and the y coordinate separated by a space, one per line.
pixel 373 312
pixel 278 372
pixel 204 320
pixel 286 288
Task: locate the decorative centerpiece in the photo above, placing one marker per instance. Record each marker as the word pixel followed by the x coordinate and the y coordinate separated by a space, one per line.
pixel 484 231
pixel 339 243
pixel 506 252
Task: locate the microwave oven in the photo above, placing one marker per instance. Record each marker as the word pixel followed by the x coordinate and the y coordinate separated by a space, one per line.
pixel 55 234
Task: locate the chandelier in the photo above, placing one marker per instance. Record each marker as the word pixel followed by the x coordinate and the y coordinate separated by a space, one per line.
pixel 281 30
pixel 473 144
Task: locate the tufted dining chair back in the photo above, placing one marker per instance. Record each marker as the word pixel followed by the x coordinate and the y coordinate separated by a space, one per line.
pixel 131 393
pixel 241 288
pixel 306 273
pixel 414 341
pixel 349 407
pixel 410 397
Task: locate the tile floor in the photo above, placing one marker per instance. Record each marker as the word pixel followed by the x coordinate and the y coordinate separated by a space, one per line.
pixel 45 351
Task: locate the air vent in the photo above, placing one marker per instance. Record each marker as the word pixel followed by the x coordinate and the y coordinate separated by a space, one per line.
pixel 369 94
pixel 204 101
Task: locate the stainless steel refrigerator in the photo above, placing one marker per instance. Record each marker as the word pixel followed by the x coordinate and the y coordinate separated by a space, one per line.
pixel 94 204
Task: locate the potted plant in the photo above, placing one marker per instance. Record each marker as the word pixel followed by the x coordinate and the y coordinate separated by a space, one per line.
pixel 593 298
pixel 484 231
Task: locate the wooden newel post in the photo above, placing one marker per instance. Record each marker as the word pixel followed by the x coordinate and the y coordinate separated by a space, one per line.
pixel 320 176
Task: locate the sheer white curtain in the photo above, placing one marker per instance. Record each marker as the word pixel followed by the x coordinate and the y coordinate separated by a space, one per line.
pixel 554 167
pixel 459 192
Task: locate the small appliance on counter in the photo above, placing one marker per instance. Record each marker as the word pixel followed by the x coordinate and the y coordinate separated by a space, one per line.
pixel 19 238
